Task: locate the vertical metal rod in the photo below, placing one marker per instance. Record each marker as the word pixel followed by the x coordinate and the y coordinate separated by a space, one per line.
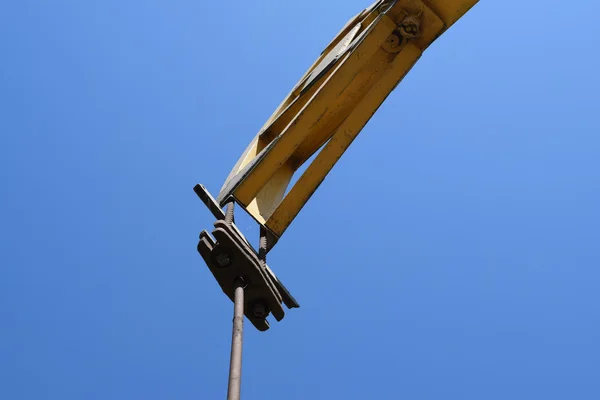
pixel 235 363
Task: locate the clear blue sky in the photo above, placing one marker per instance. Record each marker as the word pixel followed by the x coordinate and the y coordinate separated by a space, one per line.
pixel 462 259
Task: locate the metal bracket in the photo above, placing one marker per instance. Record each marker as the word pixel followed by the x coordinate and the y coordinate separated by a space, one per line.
pixel 230 257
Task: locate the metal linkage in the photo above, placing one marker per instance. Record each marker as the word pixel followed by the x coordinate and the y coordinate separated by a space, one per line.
pixel 229 255
pixel 244 276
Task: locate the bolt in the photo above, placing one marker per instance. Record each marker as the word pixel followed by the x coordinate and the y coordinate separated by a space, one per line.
pixel 259 310
pixel 223 260
pixel 393 41
pixel 410 26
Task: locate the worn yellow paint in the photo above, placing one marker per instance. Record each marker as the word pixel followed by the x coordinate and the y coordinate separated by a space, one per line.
pixel 302 124
pixel 328 114
pixel 339 143
pixel 450 11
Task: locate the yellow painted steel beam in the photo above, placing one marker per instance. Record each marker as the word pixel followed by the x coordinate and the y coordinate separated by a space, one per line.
pixel 303 124
pixel 338 144
pixel 332 103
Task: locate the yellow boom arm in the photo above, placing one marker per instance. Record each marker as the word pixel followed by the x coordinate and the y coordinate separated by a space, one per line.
pixel 331 104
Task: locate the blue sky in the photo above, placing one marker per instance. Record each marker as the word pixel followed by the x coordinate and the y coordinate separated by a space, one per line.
pixel 461 259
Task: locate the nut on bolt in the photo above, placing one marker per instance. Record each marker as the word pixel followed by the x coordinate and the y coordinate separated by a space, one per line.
pixel 260 310
pixel 394 43
pixel 223 259
pixel 410 27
